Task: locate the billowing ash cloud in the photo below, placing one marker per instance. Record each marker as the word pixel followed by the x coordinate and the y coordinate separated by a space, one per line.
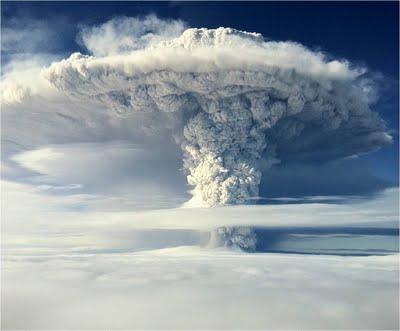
pixel 234 102
pixel 12 93
pixel 240 237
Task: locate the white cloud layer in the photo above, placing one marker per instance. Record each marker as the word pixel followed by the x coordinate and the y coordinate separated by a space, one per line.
pixel 192 288
pixel 233 102
pixel 76 264
pixel 12 93
pixel 131 174
pixel 22 79
pixel 80 212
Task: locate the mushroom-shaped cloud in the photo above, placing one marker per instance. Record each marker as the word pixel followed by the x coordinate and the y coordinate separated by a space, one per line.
pixel 234 102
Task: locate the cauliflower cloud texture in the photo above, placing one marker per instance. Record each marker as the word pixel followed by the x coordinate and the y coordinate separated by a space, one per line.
pixel 233 101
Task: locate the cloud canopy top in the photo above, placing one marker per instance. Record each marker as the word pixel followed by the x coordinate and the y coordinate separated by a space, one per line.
pixel 235 102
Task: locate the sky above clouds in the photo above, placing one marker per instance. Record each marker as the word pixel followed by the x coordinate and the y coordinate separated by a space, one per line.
pixel 120 128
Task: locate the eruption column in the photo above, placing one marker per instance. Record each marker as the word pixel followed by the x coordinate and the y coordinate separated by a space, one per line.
pixel 234 103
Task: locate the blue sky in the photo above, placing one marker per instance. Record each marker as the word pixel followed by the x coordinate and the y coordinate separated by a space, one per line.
pixel 361 32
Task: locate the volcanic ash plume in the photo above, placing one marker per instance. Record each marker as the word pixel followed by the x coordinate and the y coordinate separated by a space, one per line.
pixel 241 237
pixel 235 103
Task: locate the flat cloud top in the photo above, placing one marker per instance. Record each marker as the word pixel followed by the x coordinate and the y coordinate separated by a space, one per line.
pixel 233 291
pixel 205 50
